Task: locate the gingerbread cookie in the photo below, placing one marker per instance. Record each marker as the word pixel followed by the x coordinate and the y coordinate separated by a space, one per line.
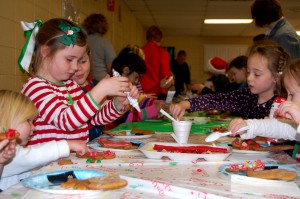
pixel 274 174
pixel 94 155
pixel 118 133
pixel 64 162
pixel 74 183
pixel 141 132
pixel 259 144
pixel 106 182
pixel 116 144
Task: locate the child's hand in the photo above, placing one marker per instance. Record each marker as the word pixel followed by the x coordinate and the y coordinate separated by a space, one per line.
pixel 78 146
pixel 123 101
pixel 114 86
pixel 290 110
pixel 7 150
pixel 178 110
pixel 235 125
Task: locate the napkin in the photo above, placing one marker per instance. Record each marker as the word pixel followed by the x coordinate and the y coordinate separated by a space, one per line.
pixel 244 184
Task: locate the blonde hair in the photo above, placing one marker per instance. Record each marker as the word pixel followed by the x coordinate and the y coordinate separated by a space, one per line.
pixel 15 108
pixel 136 50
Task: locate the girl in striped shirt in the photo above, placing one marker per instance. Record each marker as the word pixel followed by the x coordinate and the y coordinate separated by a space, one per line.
pixel 65 111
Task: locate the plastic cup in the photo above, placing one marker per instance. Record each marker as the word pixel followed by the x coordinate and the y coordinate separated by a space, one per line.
pixel 182 130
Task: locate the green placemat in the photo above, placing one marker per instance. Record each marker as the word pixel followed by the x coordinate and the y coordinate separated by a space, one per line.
pixel 166 126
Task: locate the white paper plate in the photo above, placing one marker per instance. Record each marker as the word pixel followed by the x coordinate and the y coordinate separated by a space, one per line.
pixel 249 151
pixel 224 167
pixel 147 149
pixel 42 182
pixel 96 146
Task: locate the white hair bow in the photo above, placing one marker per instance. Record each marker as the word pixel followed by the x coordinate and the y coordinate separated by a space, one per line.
pixel 30 31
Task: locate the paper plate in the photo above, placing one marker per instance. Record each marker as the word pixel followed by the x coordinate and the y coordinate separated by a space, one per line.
pixel 129 135
pixel 197 120
pixel 249 151
pixel 96 146
pixel 147 149
pixel 50 182
pixel 133 136
pixel 224 167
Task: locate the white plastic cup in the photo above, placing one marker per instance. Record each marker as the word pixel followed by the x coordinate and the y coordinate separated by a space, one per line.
pixel 182 130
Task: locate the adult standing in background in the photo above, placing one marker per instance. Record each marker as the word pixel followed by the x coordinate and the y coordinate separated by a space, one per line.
pixel 268 13
pixel 101 49
pixel 182 74
pixel 157 59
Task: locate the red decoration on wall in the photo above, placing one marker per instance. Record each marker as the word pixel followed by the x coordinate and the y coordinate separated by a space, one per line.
pixel 111 5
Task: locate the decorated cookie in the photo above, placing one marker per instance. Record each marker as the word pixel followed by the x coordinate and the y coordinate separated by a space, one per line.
pixel 9 134
pixel 244 146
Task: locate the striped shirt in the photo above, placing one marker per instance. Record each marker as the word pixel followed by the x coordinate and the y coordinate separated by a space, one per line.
pixel 65 111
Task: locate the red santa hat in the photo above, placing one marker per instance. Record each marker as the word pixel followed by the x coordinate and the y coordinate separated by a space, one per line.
pixel 217 65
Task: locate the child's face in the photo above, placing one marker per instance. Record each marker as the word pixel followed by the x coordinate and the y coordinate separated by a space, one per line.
pixel 63 65
pixel 25 129
pixel 83 71
pixel 260 79
pixel 134 78
pixel 237 75
pixel 293 89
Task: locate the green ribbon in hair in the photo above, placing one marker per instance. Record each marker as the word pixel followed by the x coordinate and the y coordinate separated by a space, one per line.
pixel 70 34
pixel 30 31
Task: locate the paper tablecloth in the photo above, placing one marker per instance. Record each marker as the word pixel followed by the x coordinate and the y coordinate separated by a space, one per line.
pixel 149 178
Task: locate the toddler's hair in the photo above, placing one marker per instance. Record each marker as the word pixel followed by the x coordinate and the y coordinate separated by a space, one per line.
pixel 95 23
pixel 15 108
pixel 293 70
pixel 132 57
pixel 50 35
pixel 277 58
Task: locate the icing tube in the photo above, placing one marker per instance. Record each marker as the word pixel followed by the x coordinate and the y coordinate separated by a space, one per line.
pixel 133 102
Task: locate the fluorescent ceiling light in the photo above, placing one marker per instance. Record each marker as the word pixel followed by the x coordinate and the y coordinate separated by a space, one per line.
pixel 227 21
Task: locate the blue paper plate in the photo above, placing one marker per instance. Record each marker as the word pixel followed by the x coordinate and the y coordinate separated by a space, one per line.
pixel 50 182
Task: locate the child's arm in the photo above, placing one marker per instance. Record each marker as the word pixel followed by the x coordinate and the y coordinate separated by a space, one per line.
pixel 78 146
pixel 271 128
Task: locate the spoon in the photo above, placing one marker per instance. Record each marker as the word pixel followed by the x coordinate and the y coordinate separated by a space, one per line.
pixel 168 115
pixel 216 135
pixel 176 139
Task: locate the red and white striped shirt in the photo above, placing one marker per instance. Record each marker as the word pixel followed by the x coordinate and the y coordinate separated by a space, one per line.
pixel 65 111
